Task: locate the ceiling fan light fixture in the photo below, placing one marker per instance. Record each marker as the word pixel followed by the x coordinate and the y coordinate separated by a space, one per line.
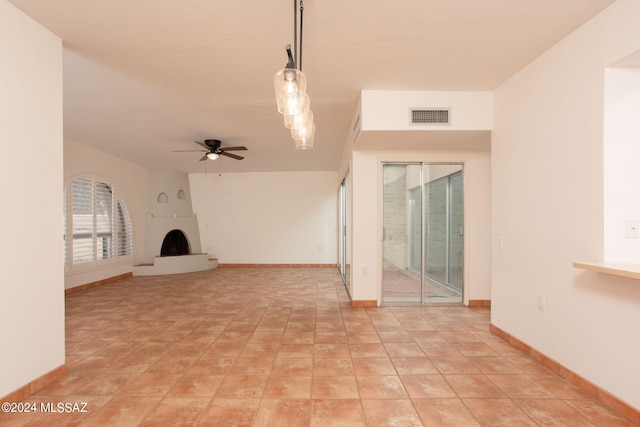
pixel 212 156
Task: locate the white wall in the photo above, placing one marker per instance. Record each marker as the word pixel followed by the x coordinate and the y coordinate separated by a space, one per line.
pixel 547 192
pixel 366 264
pixel 267 218
pixel 31 254
pixel 133 183
pixel 389 110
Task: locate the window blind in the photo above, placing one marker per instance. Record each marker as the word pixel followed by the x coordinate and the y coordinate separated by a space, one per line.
pixel 99 222
pixel 82 221
pixel 104 221
pixel 125 240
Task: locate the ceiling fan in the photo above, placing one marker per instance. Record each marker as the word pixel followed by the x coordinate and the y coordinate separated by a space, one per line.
pixel 213 150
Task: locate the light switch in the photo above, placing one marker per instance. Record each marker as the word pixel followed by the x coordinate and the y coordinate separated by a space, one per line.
pixel 541 303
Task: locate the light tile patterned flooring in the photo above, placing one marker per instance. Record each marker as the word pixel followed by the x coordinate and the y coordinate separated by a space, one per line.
pixel 283 347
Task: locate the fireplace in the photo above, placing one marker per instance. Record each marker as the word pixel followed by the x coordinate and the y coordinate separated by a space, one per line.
pixel 171 233
pixel 175 243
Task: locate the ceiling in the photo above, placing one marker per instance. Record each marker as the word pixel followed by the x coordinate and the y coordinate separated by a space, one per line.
pixel 145 77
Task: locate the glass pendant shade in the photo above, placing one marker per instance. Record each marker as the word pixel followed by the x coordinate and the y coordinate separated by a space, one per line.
pixel 304 137
pixel 298 121
pixel 304 132
pixel 212 156
pixel 304 143
pixel 291 89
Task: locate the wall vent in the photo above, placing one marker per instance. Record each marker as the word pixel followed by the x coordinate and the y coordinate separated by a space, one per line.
pixel 430 116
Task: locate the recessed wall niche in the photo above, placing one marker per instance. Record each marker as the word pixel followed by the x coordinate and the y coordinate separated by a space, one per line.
pixel 163 198
pixel 181 194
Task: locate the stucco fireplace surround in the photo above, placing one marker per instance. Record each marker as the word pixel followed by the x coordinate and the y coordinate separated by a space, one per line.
pixel 172 237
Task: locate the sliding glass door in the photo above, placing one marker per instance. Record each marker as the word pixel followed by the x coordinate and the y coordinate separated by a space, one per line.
pixel 423 235
pixel 344 246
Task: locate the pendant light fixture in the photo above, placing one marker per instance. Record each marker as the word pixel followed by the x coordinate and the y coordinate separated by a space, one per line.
pixel 291 90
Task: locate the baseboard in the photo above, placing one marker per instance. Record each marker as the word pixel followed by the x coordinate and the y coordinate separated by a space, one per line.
pixel 276 266
pixel 603 396
pixel 364 303
pixel 38 384
pixel 98 283
pixel 479 303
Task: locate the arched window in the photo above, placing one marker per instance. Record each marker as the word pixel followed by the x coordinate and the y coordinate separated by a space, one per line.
pixel 97 223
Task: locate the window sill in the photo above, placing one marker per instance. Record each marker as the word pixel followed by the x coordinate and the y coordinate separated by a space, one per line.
pixel 631 271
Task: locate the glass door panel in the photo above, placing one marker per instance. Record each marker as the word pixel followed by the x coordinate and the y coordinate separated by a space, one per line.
pixel 341 231
pixel 436 232
pixel 444 218
pixel 402 271
pixel 415 230
pixel 456 231
pixel 344 230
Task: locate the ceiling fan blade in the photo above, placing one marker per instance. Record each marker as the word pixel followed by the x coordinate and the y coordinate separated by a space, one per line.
pixel 204 157
pixel 203 145
pixel 233 156
pixel 188 151
pixel 232 148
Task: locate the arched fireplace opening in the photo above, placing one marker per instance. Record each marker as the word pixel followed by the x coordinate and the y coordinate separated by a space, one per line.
pixel 175 243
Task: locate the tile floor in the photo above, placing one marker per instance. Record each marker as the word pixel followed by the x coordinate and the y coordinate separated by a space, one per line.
pixel 283 347
pixel 401 287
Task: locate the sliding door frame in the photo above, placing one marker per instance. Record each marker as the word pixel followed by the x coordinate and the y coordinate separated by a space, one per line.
pixel 423 266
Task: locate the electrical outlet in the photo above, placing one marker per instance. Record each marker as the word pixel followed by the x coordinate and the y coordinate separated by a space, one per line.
pixel 500 243
pixel 541 303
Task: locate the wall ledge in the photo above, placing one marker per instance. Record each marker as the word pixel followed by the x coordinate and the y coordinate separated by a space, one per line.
pixel 607 399
pixel 631 271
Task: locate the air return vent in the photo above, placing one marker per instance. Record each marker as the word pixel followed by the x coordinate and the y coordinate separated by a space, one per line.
pixel 430 116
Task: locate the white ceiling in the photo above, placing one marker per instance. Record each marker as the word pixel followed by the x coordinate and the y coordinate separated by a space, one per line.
pixel 145 77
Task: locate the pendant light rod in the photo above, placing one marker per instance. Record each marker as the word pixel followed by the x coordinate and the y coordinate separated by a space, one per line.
pixel 301 14
pixel 295 33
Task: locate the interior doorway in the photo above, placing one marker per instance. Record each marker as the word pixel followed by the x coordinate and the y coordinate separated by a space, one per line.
pixel 423 233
